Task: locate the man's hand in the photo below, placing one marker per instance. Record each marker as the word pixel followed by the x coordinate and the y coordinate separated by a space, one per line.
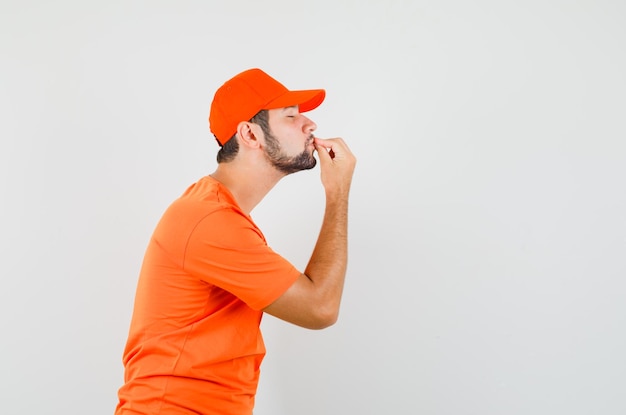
pixel 337 164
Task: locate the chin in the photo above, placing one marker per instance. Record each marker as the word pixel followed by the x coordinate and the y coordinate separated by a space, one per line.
pixel 313 164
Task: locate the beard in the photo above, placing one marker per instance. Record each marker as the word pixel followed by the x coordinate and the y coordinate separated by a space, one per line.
pixel 288 164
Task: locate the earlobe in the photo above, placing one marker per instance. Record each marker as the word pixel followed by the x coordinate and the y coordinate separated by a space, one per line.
pixel 247 136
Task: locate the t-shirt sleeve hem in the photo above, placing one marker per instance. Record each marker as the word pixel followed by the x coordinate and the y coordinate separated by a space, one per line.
pixel 277 290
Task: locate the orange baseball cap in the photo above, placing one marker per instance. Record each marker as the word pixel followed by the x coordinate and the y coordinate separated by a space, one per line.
pixel 244 95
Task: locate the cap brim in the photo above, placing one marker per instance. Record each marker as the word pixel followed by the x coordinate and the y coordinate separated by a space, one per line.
pixel 306 100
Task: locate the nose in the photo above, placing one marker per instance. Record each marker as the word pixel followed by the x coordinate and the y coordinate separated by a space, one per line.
pixel 309 126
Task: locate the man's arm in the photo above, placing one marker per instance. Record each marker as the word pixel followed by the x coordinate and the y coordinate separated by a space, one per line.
pixel 313 300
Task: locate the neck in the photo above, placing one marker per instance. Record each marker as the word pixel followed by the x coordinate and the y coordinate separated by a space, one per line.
pixel 247 184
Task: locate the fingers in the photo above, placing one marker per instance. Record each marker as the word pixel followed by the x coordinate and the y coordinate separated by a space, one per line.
pixel 322 151
pixel 335 147
pixel 327 143
pixel 337 165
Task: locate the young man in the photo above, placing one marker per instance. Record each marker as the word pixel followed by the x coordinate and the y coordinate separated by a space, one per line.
pixel 194 345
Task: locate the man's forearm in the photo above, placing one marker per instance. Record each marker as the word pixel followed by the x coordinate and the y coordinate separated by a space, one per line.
pixel 328 263
pixel 313 299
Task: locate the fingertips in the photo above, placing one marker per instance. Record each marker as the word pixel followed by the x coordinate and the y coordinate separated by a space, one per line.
pixel 321 142
pixel 322 151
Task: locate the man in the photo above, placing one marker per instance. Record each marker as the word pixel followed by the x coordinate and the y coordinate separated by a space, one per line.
pixel 194 345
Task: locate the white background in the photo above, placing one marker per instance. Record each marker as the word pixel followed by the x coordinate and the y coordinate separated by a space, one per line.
pixel 488 211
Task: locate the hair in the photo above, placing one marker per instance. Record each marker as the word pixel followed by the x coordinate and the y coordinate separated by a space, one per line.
pixel 230 148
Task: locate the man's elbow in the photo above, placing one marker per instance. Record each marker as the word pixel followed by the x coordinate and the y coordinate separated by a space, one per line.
pixel 324 318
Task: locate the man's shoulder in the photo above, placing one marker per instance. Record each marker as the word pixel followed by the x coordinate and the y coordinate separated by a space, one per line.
pixel 207 192
pixel 190 209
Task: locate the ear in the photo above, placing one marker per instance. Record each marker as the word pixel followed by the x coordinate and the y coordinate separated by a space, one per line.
pixel 249 134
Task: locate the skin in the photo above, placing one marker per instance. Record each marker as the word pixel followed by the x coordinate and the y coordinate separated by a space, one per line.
pixel 313 300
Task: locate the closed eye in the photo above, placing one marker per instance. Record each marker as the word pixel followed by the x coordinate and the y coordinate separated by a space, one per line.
pixel 291 112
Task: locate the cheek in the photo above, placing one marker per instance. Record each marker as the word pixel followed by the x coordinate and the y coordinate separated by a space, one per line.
pixel 293 141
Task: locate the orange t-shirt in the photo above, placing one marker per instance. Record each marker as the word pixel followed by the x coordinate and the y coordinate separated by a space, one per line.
pixel 194 344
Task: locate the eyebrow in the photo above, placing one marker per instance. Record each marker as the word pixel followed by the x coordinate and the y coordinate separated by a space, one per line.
pixel 291 107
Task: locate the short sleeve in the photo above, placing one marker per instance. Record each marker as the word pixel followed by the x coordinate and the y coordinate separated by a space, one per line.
pixel 226 249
